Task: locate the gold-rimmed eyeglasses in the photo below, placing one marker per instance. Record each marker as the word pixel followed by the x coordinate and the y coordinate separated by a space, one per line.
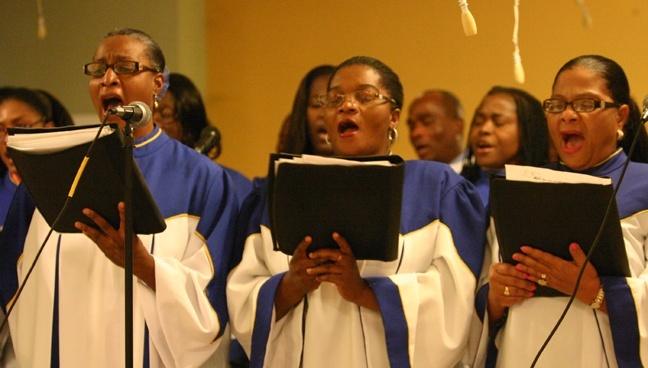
pixel 362 97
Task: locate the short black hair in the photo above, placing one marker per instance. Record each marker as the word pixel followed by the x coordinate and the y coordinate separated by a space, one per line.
pixel 388 77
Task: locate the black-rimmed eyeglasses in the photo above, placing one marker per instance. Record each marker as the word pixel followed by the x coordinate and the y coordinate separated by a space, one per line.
pixel 556 105
pixel 98 69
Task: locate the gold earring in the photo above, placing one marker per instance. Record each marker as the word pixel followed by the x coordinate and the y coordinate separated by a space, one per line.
pixel 620 134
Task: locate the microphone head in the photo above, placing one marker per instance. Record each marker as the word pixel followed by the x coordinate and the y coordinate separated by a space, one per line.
pixel 644 113
pixel 209 138
pixel 140 120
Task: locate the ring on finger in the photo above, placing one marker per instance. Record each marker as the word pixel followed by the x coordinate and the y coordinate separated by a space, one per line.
pixel 507 292
pixel 542 281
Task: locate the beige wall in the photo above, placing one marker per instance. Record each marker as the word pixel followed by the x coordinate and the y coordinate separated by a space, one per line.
pixel 258 51
pixel 247 57
pixel 74 30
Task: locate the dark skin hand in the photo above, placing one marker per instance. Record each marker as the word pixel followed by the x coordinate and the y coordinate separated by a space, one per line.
pixel 111 242
pixel 562 274
pixel 296 282
pixel 522 278
pixel 503 275
pixel 307 271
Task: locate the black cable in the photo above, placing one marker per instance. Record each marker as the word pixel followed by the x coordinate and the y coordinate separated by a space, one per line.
pixel 58 217
pixel 591 251
pixel 598 325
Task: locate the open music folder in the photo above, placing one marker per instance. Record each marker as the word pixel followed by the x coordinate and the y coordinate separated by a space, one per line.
pixel 48 160
pixel 548 210
pixel 360 198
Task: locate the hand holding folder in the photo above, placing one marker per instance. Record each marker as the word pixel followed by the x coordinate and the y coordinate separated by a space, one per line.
pixel 361 202
pixel 547 213
pixel 48 161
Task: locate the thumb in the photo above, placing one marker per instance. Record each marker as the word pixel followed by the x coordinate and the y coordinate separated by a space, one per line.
pixel 577 254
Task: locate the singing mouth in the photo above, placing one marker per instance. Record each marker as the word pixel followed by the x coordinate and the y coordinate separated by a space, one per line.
pixel 111 102
pixel 572 142
pixel 347 127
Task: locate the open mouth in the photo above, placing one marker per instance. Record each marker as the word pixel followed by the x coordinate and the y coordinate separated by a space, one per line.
pixel 347 127
pixel 483 146
pixel 111 102
pixel 572 142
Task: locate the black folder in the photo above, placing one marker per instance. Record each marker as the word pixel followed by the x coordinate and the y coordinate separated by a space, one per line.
pixel 49 177
pixel 550 216
pixel 361 203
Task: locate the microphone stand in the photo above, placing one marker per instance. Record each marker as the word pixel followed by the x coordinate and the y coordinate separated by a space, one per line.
pixel 129 143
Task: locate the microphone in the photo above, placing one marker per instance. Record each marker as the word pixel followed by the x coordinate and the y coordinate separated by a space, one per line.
pixel 137 113
pixel 644 114
pixel 209 138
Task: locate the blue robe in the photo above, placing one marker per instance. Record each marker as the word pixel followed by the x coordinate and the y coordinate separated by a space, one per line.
pixel 425 296
pixel 7 189
pixel 71 312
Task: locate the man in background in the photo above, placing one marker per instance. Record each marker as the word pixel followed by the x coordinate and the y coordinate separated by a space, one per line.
pixel 436 123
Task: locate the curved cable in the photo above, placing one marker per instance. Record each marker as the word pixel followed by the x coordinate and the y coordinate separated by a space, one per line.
pixel 591 251
pixel 58 217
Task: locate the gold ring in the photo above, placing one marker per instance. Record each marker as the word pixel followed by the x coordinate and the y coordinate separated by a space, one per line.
pixel 542 281
pixel 507 292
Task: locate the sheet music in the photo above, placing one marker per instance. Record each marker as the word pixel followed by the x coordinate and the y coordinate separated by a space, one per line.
pixel 49 142
pixel 321 160
pixel 541 175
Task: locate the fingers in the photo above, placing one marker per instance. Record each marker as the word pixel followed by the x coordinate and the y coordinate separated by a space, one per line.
pixel 534 262
pixel 88 231
pixel 577 254
pixel 345 248
pixel 104 225
pixel 337 261
pixel 335 255
pixel 121 207
pixel 504 274
pixel 302 248
pixel 508 286
pixel 536 258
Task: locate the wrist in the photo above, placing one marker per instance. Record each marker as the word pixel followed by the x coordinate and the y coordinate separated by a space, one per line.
pixel 598 300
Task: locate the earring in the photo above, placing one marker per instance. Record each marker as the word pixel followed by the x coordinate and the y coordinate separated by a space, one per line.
pixel 326 139
pixel 393 135
pixel 620 134
pixel 155 100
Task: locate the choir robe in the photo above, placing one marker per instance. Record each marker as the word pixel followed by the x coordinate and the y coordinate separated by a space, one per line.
pixel 7 190
pixel 578 341
pixel 71 312
pixel 425 296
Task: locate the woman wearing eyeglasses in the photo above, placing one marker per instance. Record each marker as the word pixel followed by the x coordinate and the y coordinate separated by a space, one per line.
pixel 605 327
pixel 327 309
pixel 71 314
pixel 20 108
